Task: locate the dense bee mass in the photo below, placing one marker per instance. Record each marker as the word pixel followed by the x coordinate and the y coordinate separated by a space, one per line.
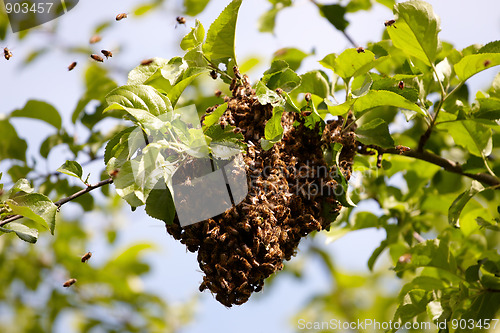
pixel 290 191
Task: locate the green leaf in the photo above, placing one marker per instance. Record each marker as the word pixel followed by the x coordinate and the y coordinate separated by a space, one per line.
pixel 219 45
pixel 416 30
pixel 143 9
pixel 274 128
pixel 36 207
pixel 175 93
pixel 267 96
pixel 351 63
pixel 470 134
pixel 376 132
pixel 335 15
pixel 281 76
pixel 27 234
pixel 135 99
pixel 194 37
pixel 160 204
pixel 22 185
pixel 71 168
pixel 376 98
pixel 194 7
pixel 141 74
pixel 11 146
pixel 213 118
pixel 459 203
pixel 267 21
pixel 291 55
pixel 118 145
pixel 343 197
pixel 315 83
pixel 489 108
pixel 491 47
pixel 224 142
pixel 39 110
pixel 475 63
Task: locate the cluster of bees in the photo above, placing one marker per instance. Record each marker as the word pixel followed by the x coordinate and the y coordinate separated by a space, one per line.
pixel 72 281
pixel 240 248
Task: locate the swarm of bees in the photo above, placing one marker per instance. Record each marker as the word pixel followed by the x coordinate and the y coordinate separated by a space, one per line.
pixel 7 53
pixel 240 248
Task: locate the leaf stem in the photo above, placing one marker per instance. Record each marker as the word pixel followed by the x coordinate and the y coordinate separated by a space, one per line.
pixel 61 202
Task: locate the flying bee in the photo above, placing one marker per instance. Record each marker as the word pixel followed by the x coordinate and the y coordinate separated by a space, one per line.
pixel 213 74
pixel 107 54
pixel 7 54
pixel 390 23
pixel 121 16
pixel 147 62
pixel 72 66
pixel 360 49
pixel 401 85
pixel 69 283
pixel 95 39
pixel 180 20
pixel 97 58
pixel 86 257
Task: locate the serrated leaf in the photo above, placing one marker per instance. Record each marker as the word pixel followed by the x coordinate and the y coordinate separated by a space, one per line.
pixel 219 45
pixel 274 128
pixel 281 76
pixel 351 63
pixel 141 74
pixel 267 96
pixel 376 98
pixel 376 132
pixel 291 55
pixel 475 63
pixel 175 93
pixel 141 102
pixel 25 233
pixel 315 83
pixel 491 47
pixel 335 15
pixel 71 168
pixel 118 144
pixel 224 142
pixel 470 134
pixel 21 185
pixel 39 110
pixel 160 204
pixel 416 30
pixel 489 108
pixel 213 118
pixel 194 37
pixel 36 207
pixel 459 203
pixel 194 7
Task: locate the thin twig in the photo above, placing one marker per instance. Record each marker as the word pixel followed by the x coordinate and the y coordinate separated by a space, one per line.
pixel 440 161
pixel 63 200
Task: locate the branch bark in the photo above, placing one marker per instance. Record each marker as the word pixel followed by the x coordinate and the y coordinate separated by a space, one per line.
pixel 440 161
pixel 61 202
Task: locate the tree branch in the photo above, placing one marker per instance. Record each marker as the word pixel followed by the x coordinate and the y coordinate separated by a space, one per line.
pixel 63 200
pixel 440 161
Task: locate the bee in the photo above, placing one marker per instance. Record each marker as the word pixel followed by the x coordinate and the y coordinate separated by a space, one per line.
pixel 402 149
pixel 279 91
pixel 308 97
pixel 306 113
pixel 401 85
pixel 96 57
pixel 486 62
pixel 237 73
pixel 86 256
pixel 405 258
pixel 180 20
pixel 147 62
pixel 114 173
pixel 360 49
pixel 69 283
pixel 203 286
pixel 218 93
pixel 213 74
pixel 107 54
pixel 121 16
pixel 95 39
pixel 72 66
pixel 390 23
pixel 7 54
